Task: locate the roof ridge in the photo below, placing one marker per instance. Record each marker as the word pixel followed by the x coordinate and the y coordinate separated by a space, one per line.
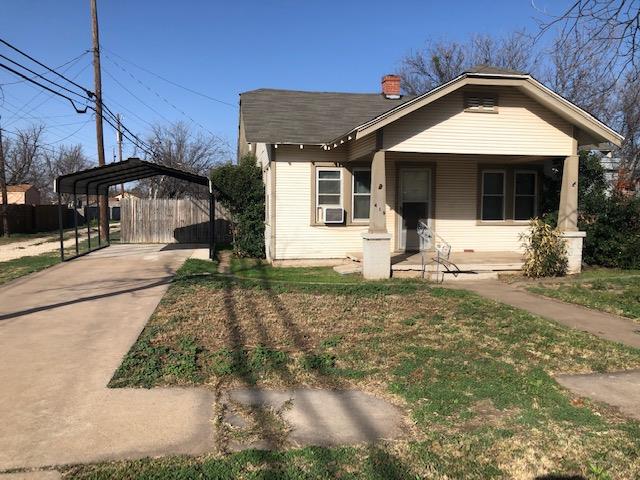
pixel 374 94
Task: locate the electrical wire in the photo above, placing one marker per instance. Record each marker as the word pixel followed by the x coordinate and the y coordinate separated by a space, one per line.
pixel 87 91
pixel 2 65
pixel 179 110
pixel 175 84
pixel 73 61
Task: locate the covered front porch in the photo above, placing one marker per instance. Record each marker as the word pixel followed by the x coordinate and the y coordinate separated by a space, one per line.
pixel 475 208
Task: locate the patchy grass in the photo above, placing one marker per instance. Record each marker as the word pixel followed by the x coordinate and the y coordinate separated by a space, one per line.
pixel 19 267
pixel 610 290
pixel 473 375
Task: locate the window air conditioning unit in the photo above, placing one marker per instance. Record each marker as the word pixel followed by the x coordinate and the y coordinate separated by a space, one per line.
pixel 333 215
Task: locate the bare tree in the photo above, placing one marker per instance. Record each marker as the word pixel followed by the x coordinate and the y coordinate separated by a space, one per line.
pixel 176 146
pixel 60 161
pixel 23 156
pixel 440 62
pixel 611 29
pixel 629 121
pixel 576 72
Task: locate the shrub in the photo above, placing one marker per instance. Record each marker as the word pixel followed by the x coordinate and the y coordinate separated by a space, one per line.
pixel 545 251
pixel 241 191
pixel 613 232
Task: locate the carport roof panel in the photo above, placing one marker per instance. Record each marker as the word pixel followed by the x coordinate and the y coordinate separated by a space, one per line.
pixel 97 180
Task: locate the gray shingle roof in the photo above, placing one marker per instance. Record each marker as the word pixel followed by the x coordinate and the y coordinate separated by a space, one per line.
pixel 287 116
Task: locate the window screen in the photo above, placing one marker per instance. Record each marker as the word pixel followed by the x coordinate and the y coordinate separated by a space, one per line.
pixel 526 197
pixel 493 196
pixel 361 193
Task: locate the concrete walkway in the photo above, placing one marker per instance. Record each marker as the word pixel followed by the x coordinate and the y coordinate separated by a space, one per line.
pixel 621 389
pixel 605 325
pixel 63 332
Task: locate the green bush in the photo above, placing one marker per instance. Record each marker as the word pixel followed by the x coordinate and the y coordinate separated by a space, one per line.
pixel 545 251
pixel 613 233
pixel 241 191
pixel 610 219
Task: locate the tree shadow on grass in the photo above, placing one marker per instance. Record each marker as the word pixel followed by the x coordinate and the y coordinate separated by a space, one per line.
pixel 378 463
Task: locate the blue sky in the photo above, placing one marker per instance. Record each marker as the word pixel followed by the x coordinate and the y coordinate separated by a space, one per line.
pixel 222 48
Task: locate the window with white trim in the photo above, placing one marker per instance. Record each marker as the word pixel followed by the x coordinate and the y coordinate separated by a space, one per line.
pixel 328 189
pixel 361 193
pixel 525 194
pixel 493 193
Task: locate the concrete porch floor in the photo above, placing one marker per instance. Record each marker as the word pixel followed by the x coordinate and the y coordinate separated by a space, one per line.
pixel 466 261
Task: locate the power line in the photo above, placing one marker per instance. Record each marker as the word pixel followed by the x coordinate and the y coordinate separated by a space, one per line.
pixel 204 95
pixel 2 65
pixel 133 94
pixel 83 97
pixel 21 109
pixel 179 110
pixel 73 60
pixel 89 93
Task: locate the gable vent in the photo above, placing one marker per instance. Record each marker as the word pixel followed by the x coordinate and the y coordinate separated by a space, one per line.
pixel 481 103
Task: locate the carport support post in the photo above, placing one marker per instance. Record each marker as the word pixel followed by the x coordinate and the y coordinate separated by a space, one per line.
pixel 98 216
pixel 75 217
pixel 61 225
pixel 86 216
pixel 212 225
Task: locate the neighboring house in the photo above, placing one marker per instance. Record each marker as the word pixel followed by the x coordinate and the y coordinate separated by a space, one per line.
pixel 22 194
pixel 353 173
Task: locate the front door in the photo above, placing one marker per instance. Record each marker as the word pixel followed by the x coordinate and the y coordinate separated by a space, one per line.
pixel 415 199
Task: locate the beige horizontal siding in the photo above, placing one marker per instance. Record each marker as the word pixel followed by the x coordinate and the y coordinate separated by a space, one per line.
pixel 361 147
pixel 521 127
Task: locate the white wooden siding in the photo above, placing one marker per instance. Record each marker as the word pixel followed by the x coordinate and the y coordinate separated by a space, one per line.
pixel 456 210
pixel 521 127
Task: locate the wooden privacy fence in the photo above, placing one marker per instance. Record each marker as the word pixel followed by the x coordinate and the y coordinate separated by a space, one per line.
pixel 168 220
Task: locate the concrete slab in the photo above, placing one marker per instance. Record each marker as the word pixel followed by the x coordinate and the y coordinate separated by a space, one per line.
pixel 63 332
pixel 620 390
pixel 330 417
pixel 601 324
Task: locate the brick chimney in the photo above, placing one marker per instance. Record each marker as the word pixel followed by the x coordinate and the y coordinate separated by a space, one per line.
pixel 391 86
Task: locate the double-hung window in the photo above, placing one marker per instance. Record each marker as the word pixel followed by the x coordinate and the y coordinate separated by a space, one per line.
pixel 328 189
pixel 361 194
pixel 525 195
pixel 493 192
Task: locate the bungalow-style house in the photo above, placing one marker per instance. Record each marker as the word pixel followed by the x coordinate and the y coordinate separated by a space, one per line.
pixel 351 175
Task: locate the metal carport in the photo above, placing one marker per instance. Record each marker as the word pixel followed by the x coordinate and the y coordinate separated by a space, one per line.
pixel 96 181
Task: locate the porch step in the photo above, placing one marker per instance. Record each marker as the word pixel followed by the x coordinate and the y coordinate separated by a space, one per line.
pixel 448 277
pixel 348 268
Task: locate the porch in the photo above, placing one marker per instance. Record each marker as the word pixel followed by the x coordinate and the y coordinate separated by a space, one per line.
pixel 477 205
pixel 467 262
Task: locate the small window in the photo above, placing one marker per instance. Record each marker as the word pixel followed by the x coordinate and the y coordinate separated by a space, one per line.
pixel 493 187
pixel 361 193
pixel 329 187
pixel 525 195
pixel 481 103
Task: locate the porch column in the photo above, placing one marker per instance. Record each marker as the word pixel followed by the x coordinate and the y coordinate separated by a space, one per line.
pixel 376 247
pixel 568 213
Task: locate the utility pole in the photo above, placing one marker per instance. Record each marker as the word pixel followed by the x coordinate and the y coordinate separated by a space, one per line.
pixel 3 190
pixel 97 78
pixel 119 139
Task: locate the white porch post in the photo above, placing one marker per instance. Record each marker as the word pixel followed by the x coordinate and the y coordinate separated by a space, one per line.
pixel 568 213
pixel 376 243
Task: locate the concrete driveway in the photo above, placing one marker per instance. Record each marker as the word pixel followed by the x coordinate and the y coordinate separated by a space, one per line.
pixel 63 332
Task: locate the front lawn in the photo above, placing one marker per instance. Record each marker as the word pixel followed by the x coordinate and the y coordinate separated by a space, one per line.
pixel 610 290
pixel 475 377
